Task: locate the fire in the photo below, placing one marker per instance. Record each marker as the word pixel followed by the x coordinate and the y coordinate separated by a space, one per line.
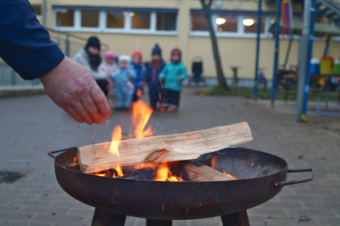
pixel 141 113
pixel 75 159
pixel 164 174
pixel 119 171
pixel 202 94
pixel 144 165
pixel 213 160
pixel 252 164
pixel 139 92
pixel 116 137
pixel 229 175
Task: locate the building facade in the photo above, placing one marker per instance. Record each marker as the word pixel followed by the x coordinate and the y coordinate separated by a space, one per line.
pixel 132 25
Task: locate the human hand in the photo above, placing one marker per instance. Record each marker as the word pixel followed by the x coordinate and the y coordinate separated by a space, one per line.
pixel 72 87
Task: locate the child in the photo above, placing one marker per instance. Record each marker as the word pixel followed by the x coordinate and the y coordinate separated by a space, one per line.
pixel 151 76
pixel 139 71
pixel 123 78
pixel 171 77
pixel 108 67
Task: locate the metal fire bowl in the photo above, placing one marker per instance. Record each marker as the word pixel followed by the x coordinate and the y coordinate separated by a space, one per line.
pixel 256 184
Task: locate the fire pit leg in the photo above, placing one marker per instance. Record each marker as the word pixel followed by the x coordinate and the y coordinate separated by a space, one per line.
pixel 102 217
pixel 152 222
pixel 236 219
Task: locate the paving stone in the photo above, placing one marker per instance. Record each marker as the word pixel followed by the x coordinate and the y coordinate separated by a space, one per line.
pixel 32 126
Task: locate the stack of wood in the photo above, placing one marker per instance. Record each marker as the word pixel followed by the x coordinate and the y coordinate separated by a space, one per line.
pixel 167 148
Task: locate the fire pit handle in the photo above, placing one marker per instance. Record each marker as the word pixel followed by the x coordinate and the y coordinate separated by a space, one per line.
pixel 283 183
pixel 57 151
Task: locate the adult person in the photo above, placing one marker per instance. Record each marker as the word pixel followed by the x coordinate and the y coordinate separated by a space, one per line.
pixel 89 57
pixel 26 46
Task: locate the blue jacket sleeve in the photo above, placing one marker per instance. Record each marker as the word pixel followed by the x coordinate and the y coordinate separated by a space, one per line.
pixel 24 44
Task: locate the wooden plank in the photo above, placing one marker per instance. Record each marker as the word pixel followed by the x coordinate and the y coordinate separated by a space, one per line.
pixel 204 173
pixel 166 148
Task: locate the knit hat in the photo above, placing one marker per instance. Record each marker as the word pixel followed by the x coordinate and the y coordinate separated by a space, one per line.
pixel 177 50
pixel 93 41
pixel 125 57
pixel 157 50
pixel 108 55
pixel 137 53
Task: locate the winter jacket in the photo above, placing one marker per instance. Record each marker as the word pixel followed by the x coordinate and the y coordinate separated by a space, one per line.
pixel 82 58
pixel 25 44
pixel 120 79
pixel 153 83
pixel 107 69
pixel 170 75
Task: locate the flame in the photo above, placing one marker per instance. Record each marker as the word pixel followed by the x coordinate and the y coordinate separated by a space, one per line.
pixel 164 174
pixel 252 164
pixel 139 92
pixel 116 137
pixel 229 175
pixel 141 113
pixel 161 84
pixel 202 94
pixel 119 171
pixel 213 160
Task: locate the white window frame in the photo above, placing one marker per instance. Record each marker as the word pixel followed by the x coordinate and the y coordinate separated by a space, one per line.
pixel 127 24
pixel 240 29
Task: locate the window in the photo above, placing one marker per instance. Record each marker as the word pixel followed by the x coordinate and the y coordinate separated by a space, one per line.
pixel 65 18
pixel 250 23
pixel 89 18
pixel 140 20
pixel 226 22
pixel 115 19
pixel 166 21
pixel 198 22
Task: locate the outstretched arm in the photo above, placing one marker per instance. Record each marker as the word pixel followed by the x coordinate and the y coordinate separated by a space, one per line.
pixel 72 87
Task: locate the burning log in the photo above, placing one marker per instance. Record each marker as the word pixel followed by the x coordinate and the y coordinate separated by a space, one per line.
pixel 204 173
pixel 167 148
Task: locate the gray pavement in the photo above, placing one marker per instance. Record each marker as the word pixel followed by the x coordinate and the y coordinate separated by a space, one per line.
pixel 32 126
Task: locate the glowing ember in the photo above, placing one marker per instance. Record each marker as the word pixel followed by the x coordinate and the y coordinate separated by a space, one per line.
pixel 116 137
pixel 202 94
pixel 213 160
pixel 139 92
pixel 144 166
pixel 252 164
pixel 141 113
pixel 75 159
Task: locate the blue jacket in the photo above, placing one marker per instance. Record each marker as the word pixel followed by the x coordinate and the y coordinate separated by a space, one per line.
pixel 154 86
pixel 25 45
pixel 170 75
pixel 120 78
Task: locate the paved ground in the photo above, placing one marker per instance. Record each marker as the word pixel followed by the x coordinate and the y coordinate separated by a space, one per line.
pixel 32 126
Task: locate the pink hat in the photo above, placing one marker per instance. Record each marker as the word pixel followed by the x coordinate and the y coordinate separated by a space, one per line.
pixel 109 55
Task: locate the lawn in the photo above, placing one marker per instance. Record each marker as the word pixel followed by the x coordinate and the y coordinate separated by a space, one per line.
pixel 262 93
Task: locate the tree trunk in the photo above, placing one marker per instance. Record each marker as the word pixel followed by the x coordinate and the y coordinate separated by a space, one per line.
pixel 220 75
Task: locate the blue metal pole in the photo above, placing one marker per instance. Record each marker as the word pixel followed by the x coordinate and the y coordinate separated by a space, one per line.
pixel 309 55
pixel 276 50
pixel 258 33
